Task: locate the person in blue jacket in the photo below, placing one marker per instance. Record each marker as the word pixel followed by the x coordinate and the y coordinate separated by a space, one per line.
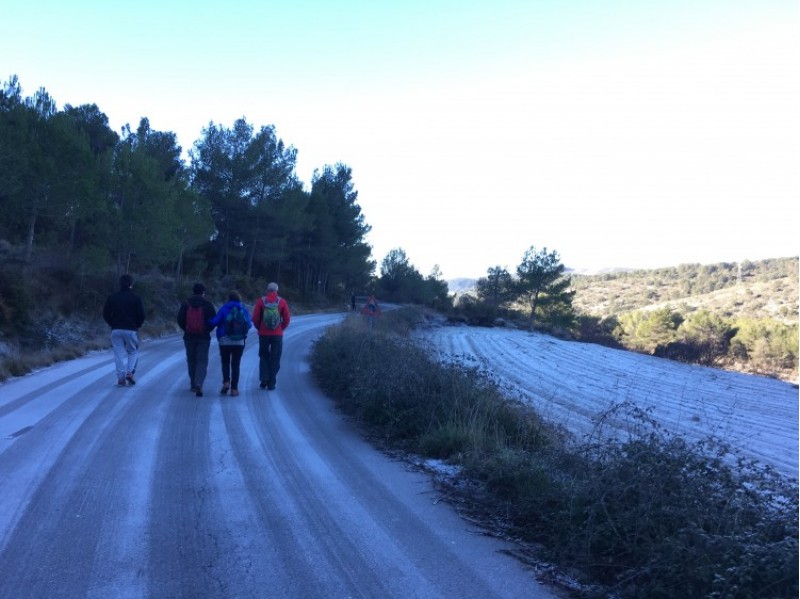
pixel 232 322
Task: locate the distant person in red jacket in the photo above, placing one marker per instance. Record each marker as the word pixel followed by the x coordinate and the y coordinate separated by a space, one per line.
pixel 271 318
pixel 371 308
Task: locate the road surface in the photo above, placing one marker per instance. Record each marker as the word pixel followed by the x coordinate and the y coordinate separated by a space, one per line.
pixel 148 491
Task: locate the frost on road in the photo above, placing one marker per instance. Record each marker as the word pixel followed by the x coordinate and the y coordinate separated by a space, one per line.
pixel 149 491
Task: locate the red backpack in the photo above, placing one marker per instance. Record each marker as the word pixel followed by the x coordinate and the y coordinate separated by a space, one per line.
pixel 195 320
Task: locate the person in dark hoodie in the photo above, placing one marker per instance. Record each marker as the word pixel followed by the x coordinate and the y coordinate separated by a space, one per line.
pixel 124 313
pixel 232 322
pixel 194 319
pixel 271 318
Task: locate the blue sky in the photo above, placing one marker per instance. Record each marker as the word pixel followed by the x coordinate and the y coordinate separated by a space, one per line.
pixel 623 133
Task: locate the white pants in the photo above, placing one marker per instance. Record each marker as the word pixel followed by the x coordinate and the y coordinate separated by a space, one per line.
pixel 126 351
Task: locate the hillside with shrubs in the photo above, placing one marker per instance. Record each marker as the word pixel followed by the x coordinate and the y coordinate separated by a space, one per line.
pixel 740 316
pixel 737 316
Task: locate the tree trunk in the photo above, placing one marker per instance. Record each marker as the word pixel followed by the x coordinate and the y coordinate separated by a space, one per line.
pixel 251 257
pixel 534 302
pixel 31 233
pixel 179 264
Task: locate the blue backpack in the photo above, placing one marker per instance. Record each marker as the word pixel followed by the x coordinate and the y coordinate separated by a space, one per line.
pixel 236 325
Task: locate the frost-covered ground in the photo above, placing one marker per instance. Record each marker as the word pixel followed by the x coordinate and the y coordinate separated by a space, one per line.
pixel 575 384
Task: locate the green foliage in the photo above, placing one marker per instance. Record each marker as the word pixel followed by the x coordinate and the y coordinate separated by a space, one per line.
pixel 16 304
pixel 539 285
pixel 393 386
pixel 71 186
pixel 477 312
pixel 595 329
pixel 340 259
pixel 726 289
pixel 497 288
pixel 400 282
pixel 700 337
pixel 655 516
pixel 748 321
pixel 645 331
pixel 709 334
pixel 541 282
pixel 648 516
pixel 769 345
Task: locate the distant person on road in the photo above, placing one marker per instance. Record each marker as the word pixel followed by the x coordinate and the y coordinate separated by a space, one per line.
pixel 371 308
pixel 194 319
pixel 353 302
pixel 271 318
pixel 232 322
pixel 124 313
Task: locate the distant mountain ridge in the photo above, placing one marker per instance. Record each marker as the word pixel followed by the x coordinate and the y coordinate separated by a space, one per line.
pixel 462 284
pixel 457 286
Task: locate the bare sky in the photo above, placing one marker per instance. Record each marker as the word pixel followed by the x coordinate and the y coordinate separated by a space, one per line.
pixel 623 133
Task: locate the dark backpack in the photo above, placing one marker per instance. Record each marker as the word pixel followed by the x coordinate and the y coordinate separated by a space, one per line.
pixel 236 325
pixel 271 317
pixel 195 320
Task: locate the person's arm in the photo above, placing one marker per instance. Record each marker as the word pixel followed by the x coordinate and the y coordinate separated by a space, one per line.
pixel 139 313
pixel 258 313
pixel 182 316
pixel 285 317
pixel 107 311
pixel 210 314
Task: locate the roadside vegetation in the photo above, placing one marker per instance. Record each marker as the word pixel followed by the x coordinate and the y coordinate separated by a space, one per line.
pixel 651 516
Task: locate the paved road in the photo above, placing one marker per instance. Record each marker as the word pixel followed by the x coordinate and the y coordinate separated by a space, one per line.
pixel 148 491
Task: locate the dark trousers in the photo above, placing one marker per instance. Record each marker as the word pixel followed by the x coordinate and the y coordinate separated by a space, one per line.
pixel 231 356
pixel 270 348
pixel 197 360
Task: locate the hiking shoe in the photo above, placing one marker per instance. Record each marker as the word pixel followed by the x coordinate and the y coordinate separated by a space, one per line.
pixel 234 392
pixel 121 383
pixel 130 379
pixel 263 384
pixel 271 387
pixel 198 392
pixel 225 387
